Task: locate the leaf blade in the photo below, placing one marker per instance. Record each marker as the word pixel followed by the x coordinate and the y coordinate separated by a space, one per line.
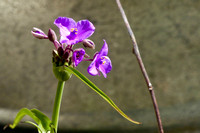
pixel 44 120
pixel 21 114
pixel 100 92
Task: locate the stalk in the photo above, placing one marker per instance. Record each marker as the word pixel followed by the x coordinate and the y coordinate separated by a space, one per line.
pixel 57 103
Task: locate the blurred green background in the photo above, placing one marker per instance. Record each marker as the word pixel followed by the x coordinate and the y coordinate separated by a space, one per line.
pixel 167 33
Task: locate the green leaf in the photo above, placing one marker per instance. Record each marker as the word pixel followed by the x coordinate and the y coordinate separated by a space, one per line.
pixel 21 114
pixel 101 93
pixel 42 122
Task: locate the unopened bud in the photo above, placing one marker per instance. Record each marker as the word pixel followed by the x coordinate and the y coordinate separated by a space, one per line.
pixel 60 51
pixel 55 53
pixel 52 35
pixel 38 33
pixel 65 55
pixel 88 43
pixel 56 57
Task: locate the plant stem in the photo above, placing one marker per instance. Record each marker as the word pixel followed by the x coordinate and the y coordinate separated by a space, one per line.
pixel 57 103
pixel 139 59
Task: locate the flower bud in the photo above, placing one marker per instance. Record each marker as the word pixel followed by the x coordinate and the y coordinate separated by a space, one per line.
pixel 65 55
pixel 52 35
pixel 39 33
pixel 60 51
pixel 55 53
pixel 88 43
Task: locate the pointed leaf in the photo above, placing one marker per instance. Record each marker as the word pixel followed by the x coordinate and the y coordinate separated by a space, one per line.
pixel 101 93
pixel 42 122
pixel 21 114
pixel 45 121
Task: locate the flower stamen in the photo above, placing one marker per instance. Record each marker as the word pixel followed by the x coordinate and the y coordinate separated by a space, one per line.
pixel 72 29
pixel 73 33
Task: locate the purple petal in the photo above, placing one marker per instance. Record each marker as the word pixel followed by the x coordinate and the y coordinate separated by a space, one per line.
pixel 67 41
pixel 63 39
pixel 65 22
pixel 78 56
pixel 92 67
pixel 104 49
pixel 65 25
pixel 101 68
pixel 85 29
pixel 104 65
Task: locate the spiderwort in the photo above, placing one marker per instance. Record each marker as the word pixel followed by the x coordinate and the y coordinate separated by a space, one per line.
pixel 65 58
pixel 72 32
pixel 101 62
pixel 78 56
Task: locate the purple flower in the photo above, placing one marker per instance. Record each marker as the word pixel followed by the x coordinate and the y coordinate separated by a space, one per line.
pixel 78 56
pixel 101 62
pixel 72 32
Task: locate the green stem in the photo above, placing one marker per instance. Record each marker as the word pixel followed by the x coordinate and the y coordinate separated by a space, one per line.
pixel 57 103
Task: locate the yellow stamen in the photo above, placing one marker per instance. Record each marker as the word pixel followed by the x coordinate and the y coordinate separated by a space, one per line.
pixel 72 29
pixel 104 62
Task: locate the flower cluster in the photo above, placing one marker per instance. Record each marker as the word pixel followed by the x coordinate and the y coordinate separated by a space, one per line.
pixel 71 33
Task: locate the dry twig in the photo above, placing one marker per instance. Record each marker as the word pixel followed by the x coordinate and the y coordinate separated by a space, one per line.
pixel 144 72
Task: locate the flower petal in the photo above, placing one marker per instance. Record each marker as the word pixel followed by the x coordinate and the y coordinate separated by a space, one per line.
pixel 67 41
pixel 105 65
pixel 92 67
pixel 64 24
pixel 78 56
pixel 85 29
pixel 101 68
pixel 104 49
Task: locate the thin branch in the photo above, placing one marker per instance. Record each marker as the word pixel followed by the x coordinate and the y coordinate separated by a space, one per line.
pixel 144 72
